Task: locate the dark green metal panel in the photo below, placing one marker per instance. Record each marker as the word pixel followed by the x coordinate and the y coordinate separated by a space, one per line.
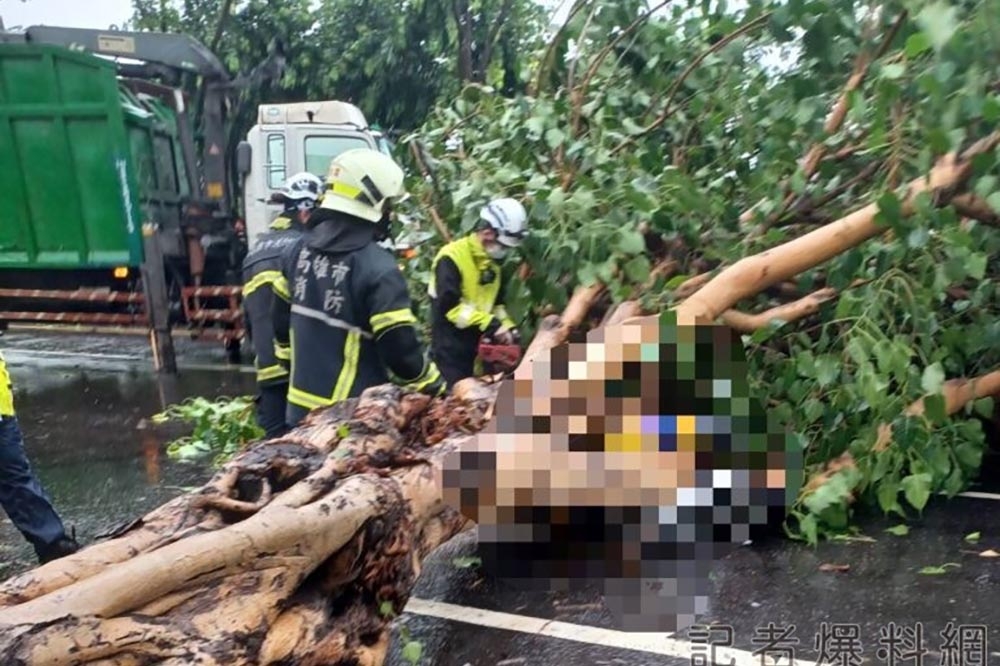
pixel 66 173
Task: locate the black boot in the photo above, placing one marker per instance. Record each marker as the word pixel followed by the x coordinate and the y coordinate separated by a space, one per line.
pixel 61 547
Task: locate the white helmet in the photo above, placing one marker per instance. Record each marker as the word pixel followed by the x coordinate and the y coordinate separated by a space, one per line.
pixel 301 191
pixel 361 182
pixel 508 218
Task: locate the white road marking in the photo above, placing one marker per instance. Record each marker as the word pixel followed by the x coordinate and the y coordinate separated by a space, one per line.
pixel 655 643
pixel 978 495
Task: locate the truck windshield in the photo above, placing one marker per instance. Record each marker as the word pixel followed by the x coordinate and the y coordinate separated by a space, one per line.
pixel 320 150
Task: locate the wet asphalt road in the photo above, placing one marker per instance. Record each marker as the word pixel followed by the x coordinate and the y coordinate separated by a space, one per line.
pixel 82 401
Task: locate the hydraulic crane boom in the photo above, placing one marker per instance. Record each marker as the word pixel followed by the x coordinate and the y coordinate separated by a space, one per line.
pixel 176 51
pixel 166 56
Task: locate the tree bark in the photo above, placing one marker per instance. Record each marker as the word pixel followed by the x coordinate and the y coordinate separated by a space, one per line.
pixel 463 21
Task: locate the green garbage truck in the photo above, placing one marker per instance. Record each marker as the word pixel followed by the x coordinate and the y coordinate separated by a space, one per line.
pixel 100 166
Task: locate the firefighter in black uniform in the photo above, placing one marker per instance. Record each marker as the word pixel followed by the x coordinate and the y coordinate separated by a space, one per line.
pixel 262 280
pixel 345 307
pixel 466 290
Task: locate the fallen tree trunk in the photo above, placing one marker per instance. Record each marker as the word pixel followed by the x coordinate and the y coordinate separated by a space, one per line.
pixel 299 550
pixel 311 534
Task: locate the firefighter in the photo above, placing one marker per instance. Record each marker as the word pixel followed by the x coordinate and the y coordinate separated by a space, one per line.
pixel 21 493
pixel 261 273
pixel 345 307
pixel 466 290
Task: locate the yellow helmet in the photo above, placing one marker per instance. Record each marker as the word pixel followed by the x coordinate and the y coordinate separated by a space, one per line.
pixel 360 182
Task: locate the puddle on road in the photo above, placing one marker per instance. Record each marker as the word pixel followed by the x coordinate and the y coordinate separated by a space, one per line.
pixel 83 437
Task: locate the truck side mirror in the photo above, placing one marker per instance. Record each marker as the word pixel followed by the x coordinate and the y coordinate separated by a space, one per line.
pixel 244 154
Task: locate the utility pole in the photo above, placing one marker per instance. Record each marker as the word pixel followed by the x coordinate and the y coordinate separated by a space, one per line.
pixel 154 285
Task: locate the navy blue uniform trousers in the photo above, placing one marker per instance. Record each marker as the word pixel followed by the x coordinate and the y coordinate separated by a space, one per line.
pixel 21 493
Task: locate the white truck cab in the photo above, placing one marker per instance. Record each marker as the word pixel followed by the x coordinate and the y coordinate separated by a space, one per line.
pixel 289 138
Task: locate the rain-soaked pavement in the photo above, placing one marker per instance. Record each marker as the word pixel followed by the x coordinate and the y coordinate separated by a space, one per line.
pixel 82 401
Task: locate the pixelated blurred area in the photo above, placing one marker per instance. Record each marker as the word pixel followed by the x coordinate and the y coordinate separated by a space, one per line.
pixel 631 462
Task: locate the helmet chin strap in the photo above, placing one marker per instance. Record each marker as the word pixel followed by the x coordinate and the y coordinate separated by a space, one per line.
pixel 383 228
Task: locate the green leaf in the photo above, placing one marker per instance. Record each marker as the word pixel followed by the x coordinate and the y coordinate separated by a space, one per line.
pixel 827 370
pixel 935 409
pixel 937 571
pixel 890 208
pixel 969 455
pixel 809 529
pixel 918 238
pixel 977 266
pixel 587 275
pixel 939 21
pixel 638 268
pixel 676 281
pixel 932 379
pixel 916 44
pixel 631 242
pixel 887 497
pixel 973 537
pixel 812 409
pixel 412 651
pixel 554 137
pixel 984 407
pixel 893 71
pixel 898 530
pixel 994 201
pixel 631 127
pixel 556 200
pixel 917 489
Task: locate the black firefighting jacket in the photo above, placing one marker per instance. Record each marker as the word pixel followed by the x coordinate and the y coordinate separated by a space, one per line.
pixel 262 280
pixel 348 318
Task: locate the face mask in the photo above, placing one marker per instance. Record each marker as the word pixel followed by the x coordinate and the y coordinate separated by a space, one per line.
pixel 496 251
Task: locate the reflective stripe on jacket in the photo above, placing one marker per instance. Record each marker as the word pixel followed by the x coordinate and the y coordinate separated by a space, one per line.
pixel 262 281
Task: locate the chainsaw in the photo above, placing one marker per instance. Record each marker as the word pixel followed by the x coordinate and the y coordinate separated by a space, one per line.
pixel 498 358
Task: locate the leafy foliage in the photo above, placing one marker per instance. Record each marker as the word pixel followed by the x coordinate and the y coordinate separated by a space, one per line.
pixel 394 60
pixel 646 134
pixel 221 428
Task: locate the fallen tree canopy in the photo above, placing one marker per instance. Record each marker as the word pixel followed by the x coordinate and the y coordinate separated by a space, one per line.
pixel 302 549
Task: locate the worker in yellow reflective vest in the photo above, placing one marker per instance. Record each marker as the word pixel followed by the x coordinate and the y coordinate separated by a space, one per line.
pixel 261 278
pixel 467 290
pixel 344 306
pixel 21 493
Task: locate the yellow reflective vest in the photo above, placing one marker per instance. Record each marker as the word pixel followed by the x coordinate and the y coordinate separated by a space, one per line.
pixel 478 304
pixel 6 390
